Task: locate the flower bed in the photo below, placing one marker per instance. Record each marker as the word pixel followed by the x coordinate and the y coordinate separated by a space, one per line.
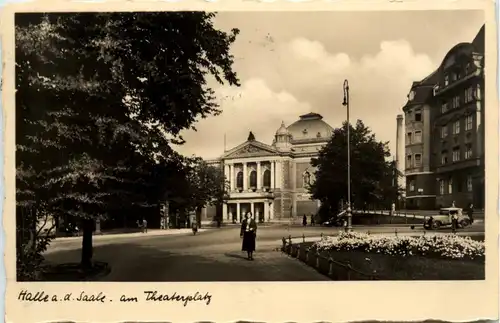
pixel 446 246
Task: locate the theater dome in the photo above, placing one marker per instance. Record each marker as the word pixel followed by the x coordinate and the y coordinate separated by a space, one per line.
pixel 310 126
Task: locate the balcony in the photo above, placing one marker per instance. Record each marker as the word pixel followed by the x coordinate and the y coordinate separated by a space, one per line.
pixel 250 193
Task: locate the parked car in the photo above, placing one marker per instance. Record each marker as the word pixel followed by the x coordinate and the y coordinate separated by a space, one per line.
pixel 443 219
pixel 336 221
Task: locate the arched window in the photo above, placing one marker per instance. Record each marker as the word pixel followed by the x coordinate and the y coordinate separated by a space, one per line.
pixel 239 180
pixel 267 178
pixel 253 179
pixel 306 179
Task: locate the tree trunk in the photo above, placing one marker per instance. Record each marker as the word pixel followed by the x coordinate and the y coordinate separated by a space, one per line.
pixel 87 249
pixel 198 216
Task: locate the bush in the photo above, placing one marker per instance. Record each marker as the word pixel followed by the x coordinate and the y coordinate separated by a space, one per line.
pixel 29 258
pixel 446 246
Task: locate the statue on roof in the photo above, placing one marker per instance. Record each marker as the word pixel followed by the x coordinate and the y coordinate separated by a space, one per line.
pixel 251 137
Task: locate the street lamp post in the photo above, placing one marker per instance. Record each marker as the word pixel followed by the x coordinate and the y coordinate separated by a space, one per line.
pixel 348 211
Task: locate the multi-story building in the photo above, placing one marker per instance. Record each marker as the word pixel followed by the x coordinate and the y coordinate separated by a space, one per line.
pixel 444 126
pixel 271 181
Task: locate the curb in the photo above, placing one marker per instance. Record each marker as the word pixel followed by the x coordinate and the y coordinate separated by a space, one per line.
pixel 133 234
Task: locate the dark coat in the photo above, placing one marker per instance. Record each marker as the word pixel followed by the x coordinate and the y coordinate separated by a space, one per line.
pixel 248 236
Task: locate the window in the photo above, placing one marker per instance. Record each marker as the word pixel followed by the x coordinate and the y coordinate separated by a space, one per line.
pixel 446 80
pixel 456 154
pixel 450 185
pixel 469 183
pixel 411 95
pixel 267 178
pixel 455 103
pixel 408 161
pixel 418 160
pixel 441 187
pixel 418 116
pixel 444 131
pixel 409 135
pixel 239 180
pixel 318 135
pixel 253 179
pixel 478 92
pixel 412 185
pixel 468 151
pixel 468 122
pixel 306 179
pixel 468 95
pixel 444 157
pixel 456 127
pixel 418 137
pixel 454 77
pixel 444 107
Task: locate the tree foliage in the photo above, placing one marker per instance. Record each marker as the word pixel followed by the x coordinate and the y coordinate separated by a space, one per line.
pixel 372 176
pixel 100 99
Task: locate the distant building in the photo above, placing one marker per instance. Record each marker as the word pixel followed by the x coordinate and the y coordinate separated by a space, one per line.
pixel 444 132
pixel 271 180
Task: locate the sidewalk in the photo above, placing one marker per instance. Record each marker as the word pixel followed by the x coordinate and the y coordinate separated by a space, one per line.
pixel 151 232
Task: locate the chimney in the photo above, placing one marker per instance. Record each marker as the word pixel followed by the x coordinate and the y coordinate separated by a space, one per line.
pixel 400 147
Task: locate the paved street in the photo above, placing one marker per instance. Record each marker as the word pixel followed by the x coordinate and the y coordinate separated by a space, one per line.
pixel 212 255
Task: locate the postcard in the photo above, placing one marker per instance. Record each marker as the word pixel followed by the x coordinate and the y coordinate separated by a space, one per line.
pixel 250 161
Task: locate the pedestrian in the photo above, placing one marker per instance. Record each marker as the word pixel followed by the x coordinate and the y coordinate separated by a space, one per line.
pixel 312 220
pixel 248 233
pixel 470 212
pixel 304 220
pixel 453 204
pixel 454 222
pixel 144 225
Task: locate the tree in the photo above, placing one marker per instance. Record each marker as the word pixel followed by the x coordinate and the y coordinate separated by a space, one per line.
pixel 371 174
pixel 204 185
pixel 100 98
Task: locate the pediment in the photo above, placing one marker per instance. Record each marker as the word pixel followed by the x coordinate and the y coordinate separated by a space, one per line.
pixel 251 149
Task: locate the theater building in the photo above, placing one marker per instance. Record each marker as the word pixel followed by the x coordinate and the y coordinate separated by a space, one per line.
pixel 444 126
pixel 271 180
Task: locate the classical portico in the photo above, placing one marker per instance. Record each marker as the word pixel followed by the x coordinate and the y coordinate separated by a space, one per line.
pixel 252 172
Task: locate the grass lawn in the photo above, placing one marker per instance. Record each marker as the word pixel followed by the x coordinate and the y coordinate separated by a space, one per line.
pixel 388 267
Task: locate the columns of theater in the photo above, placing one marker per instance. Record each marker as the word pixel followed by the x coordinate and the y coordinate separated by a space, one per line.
pixel 231 177
pixel 245 177
pixel 272 175
pixel 224 211
pixel 238 215
pixel 259 176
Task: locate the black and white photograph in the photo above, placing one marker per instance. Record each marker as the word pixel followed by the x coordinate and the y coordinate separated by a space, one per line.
pixel 216 163
pixel 250 146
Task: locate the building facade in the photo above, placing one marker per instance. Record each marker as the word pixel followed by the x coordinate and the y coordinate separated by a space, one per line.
pixel 444 132
pixel 271 181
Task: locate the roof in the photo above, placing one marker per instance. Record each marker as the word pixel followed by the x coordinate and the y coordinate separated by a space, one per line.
pixel 478 41
pixel 310 126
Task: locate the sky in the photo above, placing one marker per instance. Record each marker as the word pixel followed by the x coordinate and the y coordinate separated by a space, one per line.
pixel 292 63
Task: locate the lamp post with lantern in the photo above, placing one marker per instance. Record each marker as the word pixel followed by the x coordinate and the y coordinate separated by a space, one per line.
pixel 349 210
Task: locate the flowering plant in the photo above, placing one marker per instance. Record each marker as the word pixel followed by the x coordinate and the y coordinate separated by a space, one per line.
pixel 443 246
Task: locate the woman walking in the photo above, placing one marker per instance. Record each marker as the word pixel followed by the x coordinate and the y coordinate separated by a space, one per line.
pixel 248 233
